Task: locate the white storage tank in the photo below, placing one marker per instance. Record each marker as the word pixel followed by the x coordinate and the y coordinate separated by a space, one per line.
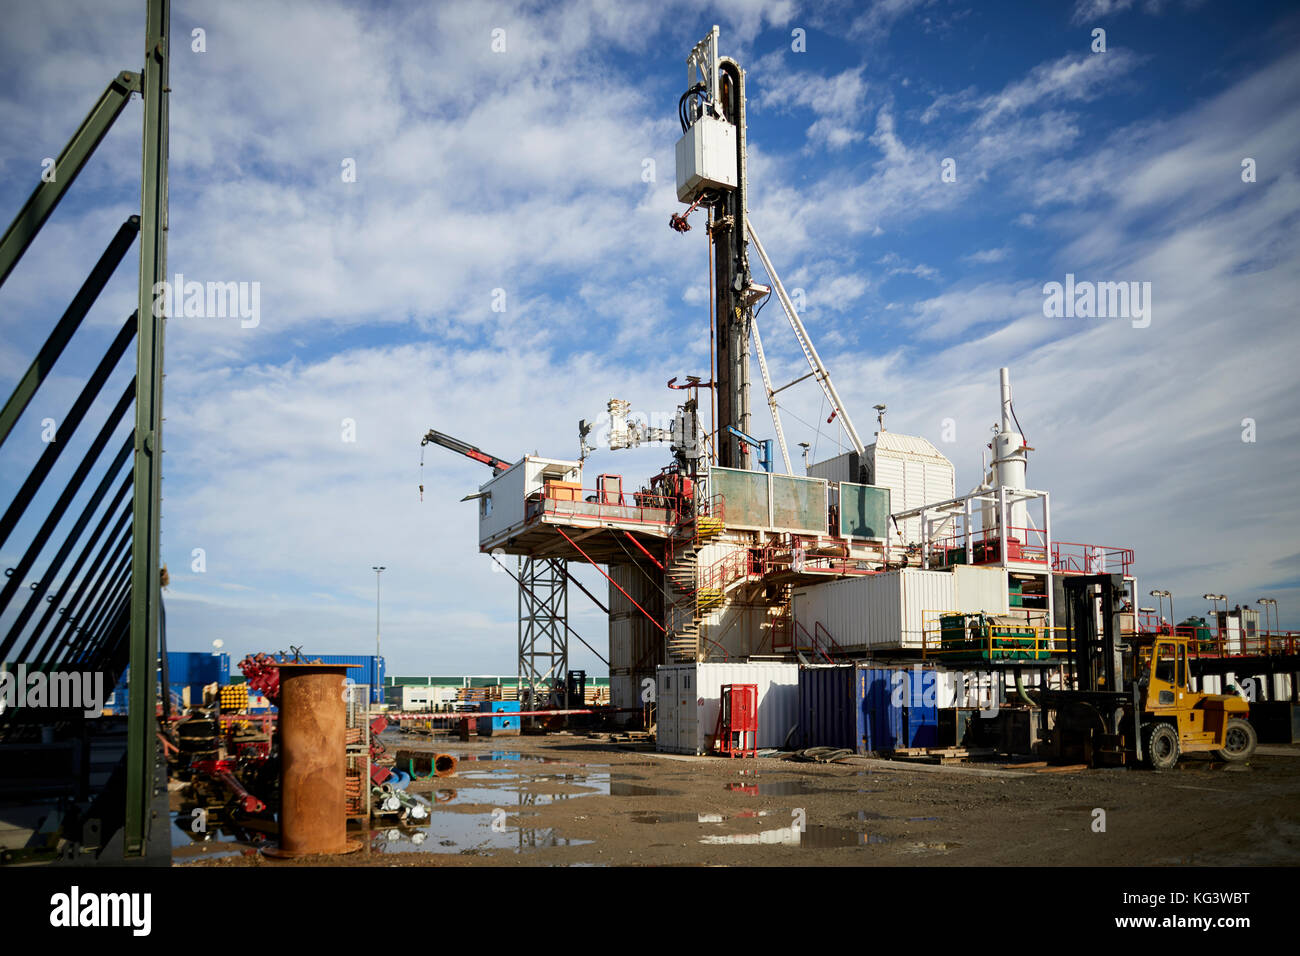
pixel 689 696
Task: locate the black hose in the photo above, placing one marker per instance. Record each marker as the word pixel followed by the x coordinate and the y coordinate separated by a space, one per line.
pixel 683 109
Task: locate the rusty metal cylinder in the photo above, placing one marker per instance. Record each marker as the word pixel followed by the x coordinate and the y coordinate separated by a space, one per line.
pixel 444 765
pixel 313 761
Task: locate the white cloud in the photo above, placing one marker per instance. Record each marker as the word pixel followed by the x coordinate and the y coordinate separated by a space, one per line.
pixel 985 256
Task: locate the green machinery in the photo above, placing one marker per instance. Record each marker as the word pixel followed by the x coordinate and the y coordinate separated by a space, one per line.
pixel 987 637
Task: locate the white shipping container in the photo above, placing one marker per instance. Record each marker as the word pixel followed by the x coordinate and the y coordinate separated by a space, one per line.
pixel 501 510
pixel 980 589
pixel 875 610
pixel 888 610
pixel 690 696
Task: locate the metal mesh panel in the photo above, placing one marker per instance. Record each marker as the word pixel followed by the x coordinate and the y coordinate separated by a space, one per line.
pixel 798 504
pixel 744 496
pixel 864 511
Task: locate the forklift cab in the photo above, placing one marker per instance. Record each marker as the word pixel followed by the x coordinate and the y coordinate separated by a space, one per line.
pixel 1202 720
pixel 1163 673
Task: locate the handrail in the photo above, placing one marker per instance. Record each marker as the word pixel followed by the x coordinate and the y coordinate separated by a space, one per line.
pixel 586 503
pixel 819 628
pixel 1026 638
pixel 813 644
pixel 1223 645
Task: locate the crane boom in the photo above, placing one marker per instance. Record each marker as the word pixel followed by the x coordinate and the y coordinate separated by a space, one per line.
pixel 466 449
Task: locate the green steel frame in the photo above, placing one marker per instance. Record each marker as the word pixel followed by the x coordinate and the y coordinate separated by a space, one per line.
pixel 146 573
pixel 112 615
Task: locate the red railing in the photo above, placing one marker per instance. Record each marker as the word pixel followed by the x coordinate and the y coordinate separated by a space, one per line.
pixel 1223 644
pixel 593 505
pixel 813 644
pixel 1073 558
pixel 1023 544
pixel 732 566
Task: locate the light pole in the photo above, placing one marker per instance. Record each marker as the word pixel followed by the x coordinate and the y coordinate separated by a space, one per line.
pixel 1216 598
pixel 378 569
pixel 1270 602
pixel 1159 596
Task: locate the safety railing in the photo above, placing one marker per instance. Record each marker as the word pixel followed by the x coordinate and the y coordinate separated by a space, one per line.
pixel 1071 557
pixel 1202 642
pixel 591 505
pixel 813 644
pixel 1025 545
pixel 732 566
pixel 780 558
pixel 981 640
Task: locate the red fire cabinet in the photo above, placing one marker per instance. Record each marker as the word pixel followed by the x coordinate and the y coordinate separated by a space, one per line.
pixel 737 730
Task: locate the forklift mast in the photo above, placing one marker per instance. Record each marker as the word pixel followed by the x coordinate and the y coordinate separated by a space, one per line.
pixel 1092 630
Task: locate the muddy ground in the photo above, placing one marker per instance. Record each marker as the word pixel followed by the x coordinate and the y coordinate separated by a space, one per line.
pixel 566 800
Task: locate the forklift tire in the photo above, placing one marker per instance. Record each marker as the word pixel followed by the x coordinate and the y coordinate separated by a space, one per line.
pixel 1239 741
pixel 1160 747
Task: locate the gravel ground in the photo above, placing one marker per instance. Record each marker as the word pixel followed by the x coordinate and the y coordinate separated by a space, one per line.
pixel 571 800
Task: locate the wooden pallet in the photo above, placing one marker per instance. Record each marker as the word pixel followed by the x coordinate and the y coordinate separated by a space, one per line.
pixel 941 755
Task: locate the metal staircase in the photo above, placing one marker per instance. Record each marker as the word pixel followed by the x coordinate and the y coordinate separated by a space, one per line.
pixel 689 600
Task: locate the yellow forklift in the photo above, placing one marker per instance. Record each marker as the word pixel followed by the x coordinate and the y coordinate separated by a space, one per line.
pixel 1132 703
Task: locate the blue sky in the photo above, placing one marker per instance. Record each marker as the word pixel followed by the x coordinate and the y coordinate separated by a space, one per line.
pixel 522 170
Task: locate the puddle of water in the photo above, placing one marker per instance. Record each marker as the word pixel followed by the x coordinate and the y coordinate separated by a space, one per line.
pixel 620 785
pixel 868 815
pixel 779 788
pixel 673 817
pixel 811 838
pixel 223 838
pixel 468 833
pixel 667 817
pixel 922 819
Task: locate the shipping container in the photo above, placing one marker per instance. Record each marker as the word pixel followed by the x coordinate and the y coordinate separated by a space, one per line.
pixel 191 668
pixel 498 726
pixel 370 672
pixel 830 713
pixel 890 610
pixel 689 698
pixel 868 709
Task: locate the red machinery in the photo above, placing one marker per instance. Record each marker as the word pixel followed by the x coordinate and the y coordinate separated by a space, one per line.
pixel 737 731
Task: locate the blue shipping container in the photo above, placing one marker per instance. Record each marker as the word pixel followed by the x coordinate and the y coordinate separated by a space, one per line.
pixel 370 672
pixel 490 726
pixel 901 706
pixel 830 714
pixel 868 709
pixel 196 668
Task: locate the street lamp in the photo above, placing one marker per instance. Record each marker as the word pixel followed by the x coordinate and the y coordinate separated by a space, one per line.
pixel 1216 598
pixel 378 569
pixel 1269 602
pixel 1160 595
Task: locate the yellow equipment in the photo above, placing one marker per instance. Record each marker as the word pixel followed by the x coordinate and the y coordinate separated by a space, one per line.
pixel 1133 702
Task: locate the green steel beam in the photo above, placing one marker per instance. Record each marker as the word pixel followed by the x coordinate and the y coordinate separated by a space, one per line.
pixel 46 196
pixel 71 321
pixel 146 597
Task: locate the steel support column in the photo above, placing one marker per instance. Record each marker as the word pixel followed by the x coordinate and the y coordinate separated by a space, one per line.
pixel 145 571
pixel 543 628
